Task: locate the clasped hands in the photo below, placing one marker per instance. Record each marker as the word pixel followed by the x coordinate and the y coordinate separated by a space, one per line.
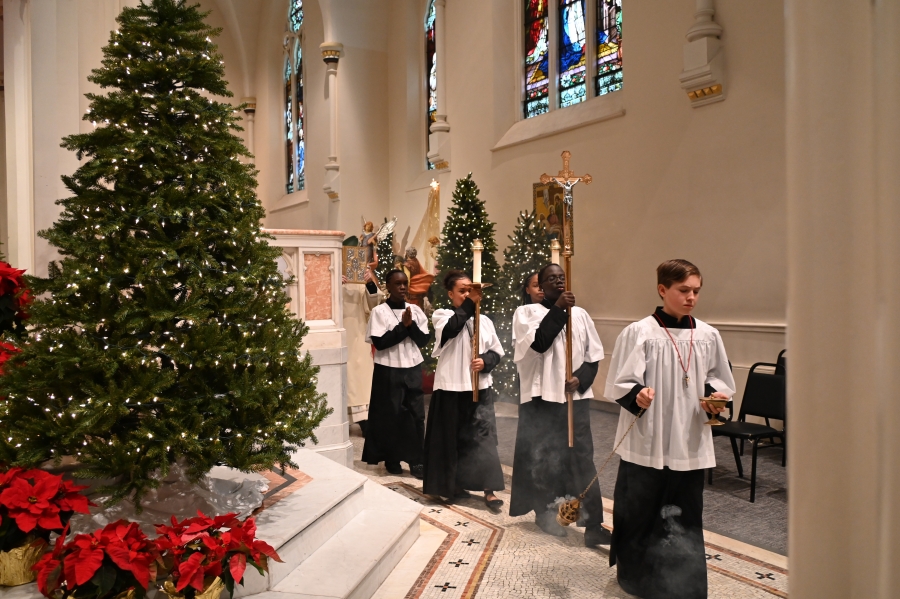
pixel 645 398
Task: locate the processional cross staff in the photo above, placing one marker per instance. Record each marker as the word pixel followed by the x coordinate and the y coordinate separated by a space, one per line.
pixel 567 180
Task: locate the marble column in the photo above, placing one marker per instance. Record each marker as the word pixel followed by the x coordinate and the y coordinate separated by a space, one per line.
pixel 843 185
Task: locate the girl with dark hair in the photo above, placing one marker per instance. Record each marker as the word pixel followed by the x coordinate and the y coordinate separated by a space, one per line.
pixel 531 290
pixel 661 367
pixel 461 436
pixel 396 427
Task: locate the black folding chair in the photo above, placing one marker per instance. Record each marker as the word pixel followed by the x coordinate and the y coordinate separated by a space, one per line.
pixel 764 397
pixel 781 363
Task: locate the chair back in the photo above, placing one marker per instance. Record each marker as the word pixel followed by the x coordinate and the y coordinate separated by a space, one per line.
pixel 764 395
pixel 781 363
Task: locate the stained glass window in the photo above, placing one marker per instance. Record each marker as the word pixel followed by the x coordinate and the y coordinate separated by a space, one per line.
pixel 537 58
pixel 609 46
pixel 295 135
pixel 572 89
pixel 295 18
pixel 299 123
pixel 289 124
pixel 430 73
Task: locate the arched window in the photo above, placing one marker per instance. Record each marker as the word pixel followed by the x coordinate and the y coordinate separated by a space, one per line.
pixel 537 58
pixel 430 73
pixel 295 138
pixel 609 46
pixel 573 30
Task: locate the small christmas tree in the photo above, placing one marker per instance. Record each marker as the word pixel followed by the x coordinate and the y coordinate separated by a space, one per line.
pixel 528 253
pixel 467 221
pixel 162 334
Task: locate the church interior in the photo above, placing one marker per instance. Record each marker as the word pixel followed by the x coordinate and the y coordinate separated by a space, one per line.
pixel 758 140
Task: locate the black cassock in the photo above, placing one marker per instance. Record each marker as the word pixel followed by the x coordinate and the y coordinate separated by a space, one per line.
pixel 461 444
pixel 396 427
pixel 545 468
pixel 461 434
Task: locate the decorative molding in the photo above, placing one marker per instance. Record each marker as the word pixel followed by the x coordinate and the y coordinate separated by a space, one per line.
pixel 704 72
pixel 595 110
pixel 332 52
pixel 443 165
pixel 305 232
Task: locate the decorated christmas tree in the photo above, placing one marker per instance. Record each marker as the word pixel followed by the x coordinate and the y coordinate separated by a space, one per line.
pixel 384 250
pixel 467 220
pixel 162 333
pixel 528 252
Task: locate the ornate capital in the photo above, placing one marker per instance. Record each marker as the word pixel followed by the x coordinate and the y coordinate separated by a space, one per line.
pixel 331 51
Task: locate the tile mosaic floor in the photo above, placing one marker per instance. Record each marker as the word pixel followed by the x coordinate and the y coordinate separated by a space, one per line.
pixel 492 556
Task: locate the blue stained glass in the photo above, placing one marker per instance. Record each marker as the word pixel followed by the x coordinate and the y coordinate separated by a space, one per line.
pixel 572 64
pixel 295 17
pixel 609 46
pixel 537 57
pixel 430 73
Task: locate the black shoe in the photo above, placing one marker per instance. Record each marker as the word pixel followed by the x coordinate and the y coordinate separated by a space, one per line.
pixel 493 504
pixel 597 535
pixel 417 470
pixel 394 468
pixel 546 521
pixel 461 494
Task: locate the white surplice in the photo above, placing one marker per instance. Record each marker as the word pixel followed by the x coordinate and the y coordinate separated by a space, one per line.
pixel 453 372
pixel 671 433
pixel 544 375
pixel 405 354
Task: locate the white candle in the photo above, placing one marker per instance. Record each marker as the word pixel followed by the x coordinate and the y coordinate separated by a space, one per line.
pixel 554 251
pixel 477 248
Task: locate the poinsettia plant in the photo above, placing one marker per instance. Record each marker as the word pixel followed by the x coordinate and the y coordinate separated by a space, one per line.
pixel 15 297
pixel 197 550
pixel 115 559
pixel 35 503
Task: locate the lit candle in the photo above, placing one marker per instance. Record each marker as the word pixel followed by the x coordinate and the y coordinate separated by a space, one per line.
pixel 554 251
pixel 477 248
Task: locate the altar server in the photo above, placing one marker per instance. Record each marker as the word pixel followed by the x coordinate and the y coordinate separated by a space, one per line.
pixel 461 435
pixel 396 406
pixel 664 364
pixel 544 467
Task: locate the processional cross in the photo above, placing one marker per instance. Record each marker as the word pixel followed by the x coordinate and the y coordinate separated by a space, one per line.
pixel 567 180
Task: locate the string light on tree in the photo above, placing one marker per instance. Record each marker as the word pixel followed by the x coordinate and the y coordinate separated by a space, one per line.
pixel 156 265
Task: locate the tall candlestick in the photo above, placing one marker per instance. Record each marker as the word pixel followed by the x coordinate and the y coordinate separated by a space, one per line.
pixel 554 251
pixel 477 248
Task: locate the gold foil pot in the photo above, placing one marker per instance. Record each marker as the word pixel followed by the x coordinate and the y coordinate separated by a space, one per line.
pixel 212 591
pixel 15 564
pixel 569 512
pixel 129 594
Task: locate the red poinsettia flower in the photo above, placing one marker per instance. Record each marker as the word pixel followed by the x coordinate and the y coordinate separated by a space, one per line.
pixel 70 499
pixel 6 352
pixel 10 279
pixel 130 549
pixel 7 476
pixel 49 567
pixel 84 559
pixel 32 505
pixel 191 572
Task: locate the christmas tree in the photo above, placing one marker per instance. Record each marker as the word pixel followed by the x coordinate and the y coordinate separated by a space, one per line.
pixel 162 334
pixel 384 252
pixel 467 220
pixel 528 253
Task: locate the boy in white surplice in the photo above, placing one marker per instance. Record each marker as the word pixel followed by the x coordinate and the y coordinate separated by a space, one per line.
pixel 661 368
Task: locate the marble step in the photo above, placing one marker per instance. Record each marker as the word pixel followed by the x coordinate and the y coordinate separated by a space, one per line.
pixel 298 525
pixel 357 559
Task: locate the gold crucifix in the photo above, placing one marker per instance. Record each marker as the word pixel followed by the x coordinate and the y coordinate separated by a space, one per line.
pixel 567 180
